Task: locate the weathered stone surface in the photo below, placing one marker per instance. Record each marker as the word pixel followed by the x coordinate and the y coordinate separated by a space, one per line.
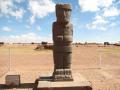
pixel 13 80
pixel 63 12
pixel 62 38
pixel 79 83
pixel 62 75
pixel 63 49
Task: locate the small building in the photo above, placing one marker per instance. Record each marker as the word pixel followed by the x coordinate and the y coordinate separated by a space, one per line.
pixel 106 43
pixel 1 43
pixel 44 43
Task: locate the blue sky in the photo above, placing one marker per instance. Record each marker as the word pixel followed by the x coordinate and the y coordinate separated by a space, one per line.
pixel 31 20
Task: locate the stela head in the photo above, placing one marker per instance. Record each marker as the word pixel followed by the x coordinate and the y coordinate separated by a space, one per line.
pixel 63 12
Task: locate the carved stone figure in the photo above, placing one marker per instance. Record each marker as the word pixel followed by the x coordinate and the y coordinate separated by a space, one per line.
pixel 62 39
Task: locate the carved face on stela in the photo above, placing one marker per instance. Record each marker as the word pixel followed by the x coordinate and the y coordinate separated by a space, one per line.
pixel 63 12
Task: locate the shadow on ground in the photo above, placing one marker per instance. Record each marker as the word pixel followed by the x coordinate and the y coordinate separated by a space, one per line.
pixel 30 86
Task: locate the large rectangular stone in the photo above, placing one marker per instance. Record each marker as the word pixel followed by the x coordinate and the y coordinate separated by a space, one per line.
pixel 79 83
pixel 13 80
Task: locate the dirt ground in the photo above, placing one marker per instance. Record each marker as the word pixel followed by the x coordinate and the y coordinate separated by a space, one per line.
pixel 99 65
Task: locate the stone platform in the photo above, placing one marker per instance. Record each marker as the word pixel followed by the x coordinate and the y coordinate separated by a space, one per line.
pixel 79 83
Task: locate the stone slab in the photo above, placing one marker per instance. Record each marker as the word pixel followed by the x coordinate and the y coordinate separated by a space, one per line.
pixel 18 89
pixel 13 80
pixel 79 83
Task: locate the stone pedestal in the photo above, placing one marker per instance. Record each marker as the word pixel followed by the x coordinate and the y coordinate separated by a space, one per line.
pixel 79 83
pixel 62 75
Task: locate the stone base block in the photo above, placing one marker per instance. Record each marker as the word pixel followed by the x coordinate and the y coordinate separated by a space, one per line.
pixel 12 80
pixel 62 75
pixel 79 83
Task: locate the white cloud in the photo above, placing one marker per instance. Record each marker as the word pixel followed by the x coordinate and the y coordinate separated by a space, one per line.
pixel 100 19
pixel 111 12
pixel 8 8
pixel 25 38
pixel 38 28
pixel 5 6
pixel 6 29
pixel 105 11
pixel 105 3
pixel 93 5
pixel 18 14
pixel 32 19
pixel 113 24
pixel 99 23
pixel 89 5
pixel 19 1
pixel 40 8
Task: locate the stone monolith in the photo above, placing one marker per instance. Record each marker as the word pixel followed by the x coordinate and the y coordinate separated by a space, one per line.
pixel 62 40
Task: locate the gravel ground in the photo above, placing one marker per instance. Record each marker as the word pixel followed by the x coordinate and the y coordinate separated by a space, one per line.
pixel 99 65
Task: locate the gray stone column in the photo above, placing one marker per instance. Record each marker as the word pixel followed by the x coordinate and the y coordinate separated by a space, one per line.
pixel 62 39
